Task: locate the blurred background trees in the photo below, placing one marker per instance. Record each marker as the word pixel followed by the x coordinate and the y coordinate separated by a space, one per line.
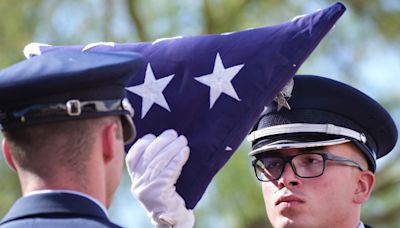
pixel 363 50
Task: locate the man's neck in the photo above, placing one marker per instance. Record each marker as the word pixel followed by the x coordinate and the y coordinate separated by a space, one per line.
pixel 33 183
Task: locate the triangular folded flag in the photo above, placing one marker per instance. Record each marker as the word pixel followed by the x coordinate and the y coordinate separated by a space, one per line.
pixel 212 88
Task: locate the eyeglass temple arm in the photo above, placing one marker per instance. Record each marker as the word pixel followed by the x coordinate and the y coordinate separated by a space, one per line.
pixel 344 161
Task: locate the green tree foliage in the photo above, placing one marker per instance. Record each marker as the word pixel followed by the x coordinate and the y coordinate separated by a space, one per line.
pixel 18 23
pixel 362 50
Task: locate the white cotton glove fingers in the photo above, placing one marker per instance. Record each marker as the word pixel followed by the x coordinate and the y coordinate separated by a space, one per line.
pixel 174 167
pixel 134 156
pixel 177 215
pixel 161 179
pixel 155 165
pixel 158 145
pixel 159 165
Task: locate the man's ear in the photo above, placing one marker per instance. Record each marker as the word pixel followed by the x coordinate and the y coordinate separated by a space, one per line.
pixel 8 156
pixel 109 137
pixel 365 184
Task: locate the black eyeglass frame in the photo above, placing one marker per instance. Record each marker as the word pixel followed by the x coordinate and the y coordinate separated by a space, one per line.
pixel 288 159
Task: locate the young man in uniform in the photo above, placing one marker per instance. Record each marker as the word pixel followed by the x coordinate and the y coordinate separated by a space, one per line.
pixel 315 152
pixel 65 121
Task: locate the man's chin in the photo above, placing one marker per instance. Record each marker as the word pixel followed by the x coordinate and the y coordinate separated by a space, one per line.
pixel 290 217
pixel 285 222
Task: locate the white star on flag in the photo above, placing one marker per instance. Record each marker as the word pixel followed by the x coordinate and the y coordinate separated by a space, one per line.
pixel 151 90
pixel 219 80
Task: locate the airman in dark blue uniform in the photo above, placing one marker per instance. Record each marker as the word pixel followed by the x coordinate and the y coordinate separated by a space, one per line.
pixel 65 121
pixel 315 151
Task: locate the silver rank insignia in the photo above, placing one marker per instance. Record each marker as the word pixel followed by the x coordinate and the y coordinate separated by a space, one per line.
pixel 284 95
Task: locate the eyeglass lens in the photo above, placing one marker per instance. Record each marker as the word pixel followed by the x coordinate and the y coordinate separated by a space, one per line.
pixel 304 165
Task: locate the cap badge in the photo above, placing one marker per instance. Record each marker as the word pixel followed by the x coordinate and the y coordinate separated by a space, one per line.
pixel 283 96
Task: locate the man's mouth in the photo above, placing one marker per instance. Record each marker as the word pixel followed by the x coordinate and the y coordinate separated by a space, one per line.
pixel 289 200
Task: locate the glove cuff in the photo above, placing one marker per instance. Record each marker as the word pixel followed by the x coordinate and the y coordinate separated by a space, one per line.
pixel 184 219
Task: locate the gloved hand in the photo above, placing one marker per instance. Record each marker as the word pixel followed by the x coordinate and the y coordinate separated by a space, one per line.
pixel 154 165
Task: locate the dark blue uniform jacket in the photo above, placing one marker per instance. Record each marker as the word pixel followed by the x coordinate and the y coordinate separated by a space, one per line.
pixel 55 210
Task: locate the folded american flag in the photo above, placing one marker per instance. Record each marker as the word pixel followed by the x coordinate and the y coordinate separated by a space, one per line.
pixel 212 88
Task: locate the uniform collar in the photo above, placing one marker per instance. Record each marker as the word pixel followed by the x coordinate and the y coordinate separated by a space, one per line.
pixel 101 205
pixel 55 202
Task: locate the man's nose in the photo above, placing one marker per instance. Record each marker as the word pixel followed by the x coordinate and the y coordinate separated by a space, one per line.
pixel 288 177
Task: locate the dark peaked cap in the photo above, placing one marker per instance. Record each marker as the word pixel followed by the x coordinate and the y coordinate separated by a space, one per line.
pixel 326 112
pixel 67 85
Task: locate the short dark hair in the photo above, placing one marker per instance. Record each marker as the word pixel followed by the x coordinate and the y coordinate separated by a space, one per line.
pixel 68 143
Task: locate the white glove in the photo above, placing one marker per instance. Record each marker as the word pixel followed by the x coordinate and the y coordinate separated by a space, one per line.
pixel 154 165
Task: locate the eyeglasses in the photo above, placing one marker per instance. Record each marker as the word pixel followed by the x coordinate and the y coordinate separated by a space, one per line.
pixel 306 165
